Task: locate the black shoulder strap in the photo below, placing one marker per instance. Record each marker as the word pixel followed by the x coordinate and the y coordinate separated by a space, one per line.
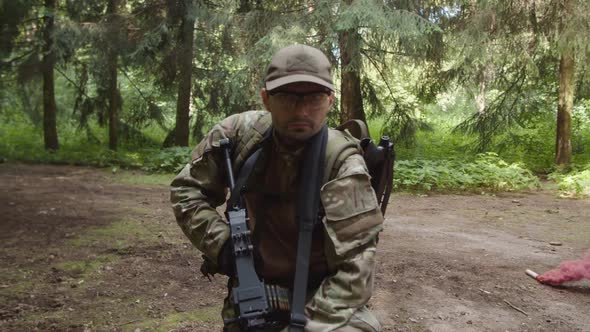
pixel 246 170
pixel 308 204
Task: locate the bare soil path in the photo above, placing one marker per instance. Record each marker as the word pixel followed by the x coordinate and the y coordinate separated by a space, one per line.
pixel 82 249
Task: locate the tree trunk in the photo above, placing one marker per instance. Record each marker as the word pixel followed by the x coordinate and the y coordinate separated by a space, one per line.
pixel 563 142
pixel 351 99
pixel 112 68
pixel 185 64
pixel 199 123
pixel 113 100
pixel 563 146
pixel 49 106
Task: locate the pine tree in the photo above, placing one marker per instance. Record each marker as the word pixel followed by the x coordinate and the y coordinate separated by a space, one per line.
pixel 361 37
pixel 524 49
pixel 28 42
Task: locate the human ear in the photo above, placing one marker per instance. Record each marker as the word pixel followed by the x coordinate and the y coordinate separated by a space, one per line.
pixel 331 99
pixel 265 97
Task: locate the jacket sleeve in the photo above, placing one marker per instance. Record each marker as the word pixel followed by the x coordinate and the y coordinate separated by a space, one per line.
pixel 199 189
pixel 352 222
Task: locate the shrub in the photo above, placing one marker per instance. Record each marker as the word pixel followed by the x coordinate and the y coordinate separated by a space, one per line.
pixel 574 184
pixel 167 160
pixel 487 171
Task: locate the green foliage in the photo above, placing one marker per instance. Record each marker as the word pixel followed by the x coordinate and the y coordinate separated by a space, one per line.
pixel 173 320
pixel 422 65
pixel 140 178
pixel 576 183
pixel 86 268
pixel 486 172
pixel 117 235
pixel 168 160
pixel 22 141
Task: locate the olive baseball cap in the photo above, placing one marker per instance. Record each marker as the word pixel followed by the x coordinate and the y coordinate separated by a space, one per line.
pixel 299 63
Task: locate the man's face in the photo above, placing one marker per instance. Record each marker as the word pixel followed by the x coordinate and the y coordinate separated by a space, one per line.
pixel 298 110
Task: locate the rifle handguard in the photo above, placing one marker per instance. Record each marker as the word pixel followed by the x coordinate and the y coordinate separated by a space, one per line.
pixel 251 296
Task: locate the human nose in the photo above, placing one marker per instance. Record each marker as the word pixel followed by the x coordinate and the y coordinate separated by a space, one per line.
pixel 301 107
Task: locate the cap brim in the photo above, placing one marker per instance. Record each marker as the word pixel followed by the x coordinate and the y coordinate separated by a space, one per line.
pixel 271 85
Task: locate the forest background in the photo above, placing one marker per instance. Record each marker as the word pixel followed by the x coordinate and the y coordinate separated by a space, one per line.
pixel 477 95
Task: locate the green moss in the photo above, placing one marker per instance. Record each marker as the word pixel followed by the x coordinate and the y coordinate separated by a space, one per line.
pixel 137 209
pixel 86 267
pixel 173 320
pixel 104 318
pixel 16 281
pixel 118 235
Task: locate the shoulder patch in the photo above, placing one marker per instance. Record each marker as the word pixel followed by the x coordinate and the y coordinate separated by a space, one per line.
pixel 348 196
pixel 352 211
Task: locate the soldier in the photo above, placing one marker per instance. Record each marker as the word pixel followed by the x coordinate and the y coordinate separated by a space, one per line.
pixel 298 93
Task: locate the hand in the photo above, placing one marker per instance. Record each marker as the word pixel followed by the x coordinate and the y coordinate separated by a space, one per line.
pixel 226 261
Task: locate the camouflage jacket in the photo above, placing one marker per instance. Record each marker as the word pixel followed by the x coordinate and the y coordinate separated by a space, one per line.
pixel 351 225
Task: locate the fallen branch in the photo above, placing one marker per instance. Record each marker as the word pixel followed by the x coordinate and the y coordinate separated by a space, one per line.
pixel 516 308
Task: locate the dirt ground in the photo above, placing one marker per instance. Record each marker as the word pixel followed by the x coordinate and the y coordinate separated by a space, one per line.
pixel 83 249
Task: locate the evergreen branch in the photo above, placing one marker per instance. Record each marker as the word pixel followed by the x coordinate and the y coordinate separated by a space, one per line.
pixel 11 61
pixel 373 48
pixel 148 8
pixel 135 86
pixel 11 80
pixel 295 10
pixel 79 88
pixel 273 11
pixel 34 19
pixel 210 4
pixel 496 117
pixel 374 63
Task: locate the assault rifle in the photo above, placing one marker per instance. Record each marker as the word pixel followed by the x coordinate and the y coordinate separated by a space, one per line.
pixel 254 300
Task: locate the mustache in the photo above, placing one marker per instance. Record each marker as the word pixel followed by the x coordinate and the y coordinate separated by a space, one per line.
pixel 308 121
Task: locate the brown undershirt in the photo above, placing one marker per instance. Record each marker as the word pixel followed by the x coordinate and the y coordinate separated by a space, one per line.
pixel 271 200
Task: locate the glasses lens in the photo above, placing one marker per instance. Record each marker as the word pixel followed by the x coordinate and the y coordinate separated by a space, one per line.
pixel 290 100
pixel 315 99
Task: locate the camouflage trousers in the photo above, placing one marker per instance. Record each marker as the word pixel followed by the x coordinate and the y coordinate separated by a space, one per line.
pixel 362 320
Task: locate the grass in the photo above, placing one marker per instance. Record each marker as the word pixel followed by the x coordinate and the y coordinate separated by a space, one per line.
pixel 139 178
pixel 16 281
pixel 85 268
pixel 174 320
pixel 440 159
pixel 117 235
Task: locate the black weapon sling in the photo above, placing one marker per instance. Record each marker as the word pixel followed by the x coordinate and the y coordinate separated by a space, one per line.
pixel 307 213
pixel 308 204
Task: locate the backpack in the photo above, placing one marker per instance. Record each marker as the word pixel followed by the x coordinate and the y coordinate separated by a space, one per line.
pixel 379 159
